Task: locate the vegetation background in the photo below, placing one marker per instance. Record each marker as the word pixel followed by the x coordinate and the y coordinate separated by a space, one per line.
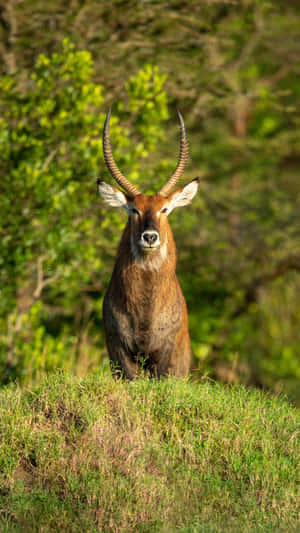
pixel 232 69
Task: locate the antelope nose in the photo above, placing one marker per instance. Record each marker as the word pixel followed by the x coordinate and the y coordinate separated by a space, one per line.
pixel 150 237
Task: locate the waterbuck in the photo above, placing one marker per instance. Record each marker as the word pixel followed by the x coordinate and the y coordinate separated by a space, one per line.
pixel 144 311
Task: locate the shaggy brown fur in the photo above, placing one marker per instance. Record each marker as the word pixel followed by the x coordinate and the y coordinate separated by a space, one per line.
pixel 144 311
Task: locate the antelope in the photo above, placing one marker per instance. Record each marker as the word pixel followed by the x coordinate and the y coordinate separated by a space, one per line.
pixel 144 311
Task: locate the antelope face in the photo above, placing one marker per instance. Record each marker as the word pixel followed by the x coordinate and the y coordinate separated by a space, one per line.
pixel 148 222
pixel 148 215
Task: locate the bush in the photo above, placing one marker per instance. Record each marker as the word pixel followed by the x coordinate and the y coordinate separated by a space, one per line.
pixel 56 250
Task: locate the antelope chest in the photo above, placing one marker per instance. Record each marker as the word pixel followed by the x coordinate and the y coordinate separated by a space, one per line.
pixel 145 328
pixel 151 331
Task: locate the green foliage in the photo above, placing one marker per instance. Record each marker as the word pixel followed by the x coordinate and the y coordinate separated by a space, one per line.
pixel 148 100
pixel 99 455
pixel 232 70
pixel 56 236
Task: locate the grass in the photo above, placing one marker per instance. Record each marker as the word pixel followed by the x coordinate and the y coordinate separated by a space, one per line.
pixel 97 455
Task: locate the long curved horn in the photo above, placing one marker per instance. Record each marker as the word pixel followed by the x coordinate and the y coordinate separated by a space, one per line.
pixel 183 157
pixel 111 164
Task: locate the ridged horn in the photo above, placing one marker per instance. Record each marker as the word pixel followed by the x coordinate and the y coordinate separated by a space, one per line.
pixel 111 164
pixel 183 157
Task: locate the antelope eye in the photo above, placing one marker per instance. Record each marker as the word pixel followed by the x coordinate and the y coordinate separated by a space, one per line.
pixel 164 210
pixel 135 211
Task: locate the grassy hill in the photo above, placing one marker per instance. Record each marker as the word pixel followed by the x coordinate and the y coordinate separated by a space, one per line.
pixel 95 455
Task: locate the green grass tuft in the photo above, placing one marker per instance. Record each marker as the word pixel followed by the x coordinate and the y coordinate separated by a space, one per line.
pixel 99 455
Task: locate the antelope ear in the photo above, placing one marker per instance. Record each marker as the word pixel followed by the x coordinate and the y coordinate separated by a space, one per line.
pixel 183 195
pixel 111 195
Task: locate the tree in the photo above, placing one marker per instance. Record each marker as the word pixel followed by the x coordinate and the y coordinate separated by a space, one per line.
pixel 56 239
pixel 232 70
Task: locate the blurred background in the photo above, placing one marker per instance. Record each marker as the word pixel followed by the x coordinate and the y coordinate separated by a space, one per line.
pixel 232 68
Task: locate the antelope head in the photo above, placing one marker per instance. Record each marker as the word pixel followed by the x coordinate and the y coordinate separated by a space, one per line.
pixel 148 215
